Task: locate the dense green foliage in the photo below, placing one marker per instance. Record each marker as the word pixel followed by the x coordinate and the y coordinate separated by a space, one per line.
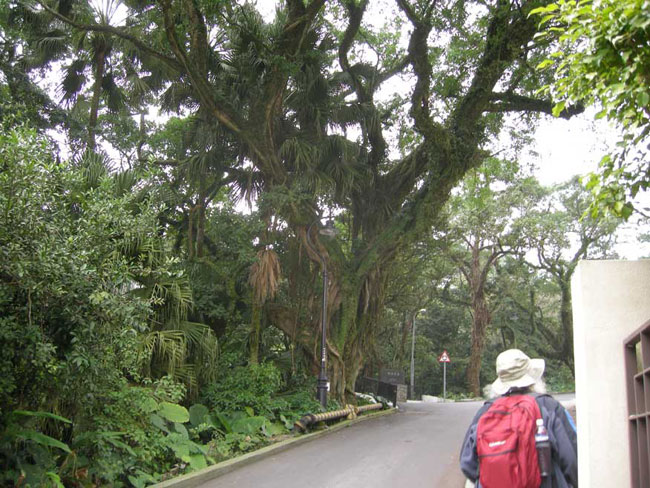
pixel 603 58
pixel 153 323
pixel 85 286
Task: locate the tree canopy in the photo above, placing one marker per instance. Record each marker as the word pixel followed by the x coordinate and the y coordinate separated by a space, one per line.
pixel 602 58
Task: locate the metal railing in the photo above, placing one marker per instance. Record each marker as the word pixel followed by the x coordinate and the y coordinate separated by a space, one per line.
pixel 637 377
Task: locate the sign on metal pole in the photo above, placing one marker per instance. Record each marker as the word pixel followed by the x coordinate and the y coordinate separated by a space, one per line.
pixel 444 359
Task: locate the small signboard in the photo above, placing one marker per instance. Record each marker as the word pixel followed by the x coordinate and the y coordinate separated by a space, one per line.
pixel 392 376
pixel 444 357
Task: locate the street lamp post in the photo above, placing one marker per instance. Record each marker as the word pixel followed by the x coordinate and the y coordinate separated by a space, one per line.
pixel 323 382
pixel 413 354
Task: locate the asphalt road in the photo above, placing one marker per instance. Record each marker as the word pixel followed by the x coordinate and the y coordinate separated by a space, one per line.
pixel 416 447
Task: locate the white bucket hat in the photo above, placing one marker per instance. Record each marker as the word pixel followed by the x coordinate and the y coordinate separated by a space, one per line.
pixel 516 370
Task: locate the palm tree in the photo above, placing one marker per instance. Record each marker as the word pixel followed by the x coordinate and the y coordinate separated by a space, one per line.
pixel 172 345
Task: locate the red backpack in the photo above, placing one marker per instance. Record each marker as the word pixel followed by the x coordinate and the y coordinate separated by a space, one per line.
pixel 506 443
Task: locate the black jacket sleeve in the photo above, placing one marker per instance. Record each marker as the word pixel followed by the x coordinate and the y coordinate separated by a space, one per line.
pixel 468 454
pixel 563 438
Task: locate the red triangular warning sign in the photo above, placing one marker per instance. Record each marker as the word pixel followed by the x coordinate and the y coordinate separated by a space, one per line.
pixel 444 357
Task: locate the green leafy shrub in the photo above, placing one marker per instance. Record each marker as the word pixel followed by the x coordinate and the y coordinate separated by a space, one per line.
pixel 245 386
pixel 28 456
pixel 239 432
pixel 558 377
pixel 140 436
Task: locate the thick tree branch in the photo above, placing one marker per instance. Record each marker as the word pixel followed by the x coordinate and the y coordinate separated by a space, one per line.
pixel 510 102
pixel 354 23
pixel 509 32
pixel 199 83
pixel 364 90
pixel 199 38
pixel 419 56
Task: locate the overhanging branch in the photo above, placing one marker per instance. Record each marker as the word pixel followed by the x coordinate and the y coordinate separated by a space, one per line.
pixel 511 102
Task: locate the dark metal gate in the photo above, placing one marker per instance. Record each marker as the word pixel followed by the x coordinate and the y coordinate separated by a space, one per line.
pixel 637 375
pixel 372 385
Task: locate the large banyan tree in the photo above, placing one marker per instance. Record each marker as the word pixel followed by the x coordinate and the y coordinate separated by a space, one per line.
pixel 368 110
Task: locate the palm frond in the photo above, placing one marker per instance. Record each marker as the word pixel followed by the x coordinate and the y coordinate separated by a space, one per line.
pixel 115 99
pixel 73 80
pixel 247 184
pixel 340 163
pixel 125 181
pixel 95 166
pixel 195 332
pixel 165 348
pixel 300 154
pixel 175 96
pixel 51 45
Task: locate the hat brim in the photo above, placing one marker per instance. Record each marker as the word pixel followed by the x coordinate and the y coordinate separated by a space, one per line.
pixel 533 374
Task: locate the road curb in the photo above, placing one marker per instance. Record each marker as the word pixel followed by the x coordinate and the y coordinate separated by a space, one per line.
pixel 195 478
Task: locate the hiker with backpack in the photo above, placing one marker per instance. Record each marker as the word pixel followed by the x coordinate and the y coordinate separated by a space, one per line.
pixel 507 445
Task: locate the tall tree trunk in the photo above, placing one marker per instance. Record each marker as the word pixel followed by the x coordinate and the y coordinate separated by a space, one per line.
pixel 255 333
pixel 142 138
pixel 400 350
pixel 351 313
pixel 100 59
pixel 200 224
pixel 190 233
pixel 566 317
pixel 481 317
pixel 480 321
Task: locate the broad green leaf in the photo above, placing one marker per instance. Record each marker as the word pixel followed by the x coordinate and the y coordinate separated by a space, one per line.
pixel 558 108
pixel 180 428
pixel 248 425
pixel 55 479
pixel 141 479
pixel 198 413
pixel 181 450
pixel 159 422
pixel 42 439
pixel 276 428
pixel 544 10
pixel 618 207
pixel 197 461
pixel 149 405
pixel 174 412
pixel 220 420
pixel 48 415
pixel 545 63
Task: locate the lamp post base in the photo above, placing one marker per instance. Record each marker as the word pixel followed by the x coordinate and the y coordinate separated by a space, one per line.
pixel 322 388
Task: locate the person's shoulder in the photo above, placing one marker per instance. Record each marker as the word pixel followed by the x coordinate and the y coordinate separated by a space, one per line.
pixel 548 401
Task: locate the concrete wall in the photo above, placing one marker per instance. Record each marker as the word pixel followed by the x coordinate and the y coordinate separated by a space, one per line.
pixel 611 299
pixel 402 393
